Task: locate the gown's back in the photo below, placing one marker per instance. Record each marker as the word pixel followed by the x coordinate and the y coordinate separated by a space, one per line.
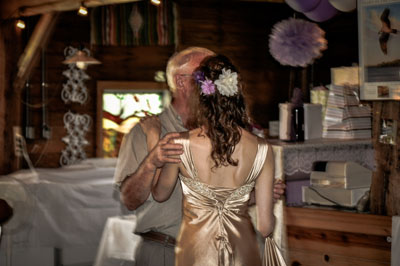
pixel 216 227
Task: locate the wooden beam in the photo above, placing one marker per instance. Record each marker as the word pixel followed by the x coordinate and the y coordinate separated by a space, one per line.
pixel 40 36
pixel 3 83
pixel 25 8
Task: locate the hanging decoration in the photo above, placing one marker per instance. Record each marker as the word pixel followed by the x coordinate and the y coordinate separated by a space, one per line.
pixel 303 5
pixel 74 89
pixel 77 125
pixel 316 10
pixel 296 42
pixel 138 23
pixel 344 5
pixel 322 12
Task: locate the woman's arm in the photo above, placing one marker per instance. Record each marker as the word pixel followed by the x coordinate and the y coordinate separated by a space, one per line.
pixel 164 183
pixel 264 200
pixel 167 152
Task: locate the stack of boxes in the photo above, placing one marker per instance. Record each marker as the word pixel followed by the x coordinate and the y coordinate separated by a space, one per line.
pixel 340 184
pixel 345 117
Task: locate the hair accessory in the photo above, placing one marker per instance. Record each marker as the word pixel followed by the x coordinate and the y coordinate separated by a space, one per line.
pixel 199 76
pixel 227 83
pixel 207 87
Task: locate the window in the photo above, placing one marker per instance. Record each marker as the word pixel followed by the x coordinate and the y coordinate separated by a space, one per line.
pixel 120 105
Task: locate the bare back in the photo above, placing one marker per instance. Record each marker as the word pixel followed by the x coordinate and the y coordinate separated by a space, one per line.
pixel 224 176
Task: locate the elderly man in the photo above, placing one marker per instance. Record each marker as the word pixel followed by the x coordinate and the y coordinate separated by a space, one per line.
pixel 158 223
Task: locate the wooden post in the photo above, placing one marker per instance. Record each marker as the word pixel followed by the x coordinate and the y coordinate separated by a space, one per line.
pixel 385 198
pixel 2 97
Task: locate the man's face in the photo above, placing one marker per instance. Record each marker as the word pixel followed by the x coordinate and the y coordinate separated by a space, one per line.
pixel 194 63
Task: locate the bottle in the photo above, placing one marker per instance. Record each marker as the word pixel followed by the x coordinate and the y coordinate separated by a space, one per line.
pixel 298 123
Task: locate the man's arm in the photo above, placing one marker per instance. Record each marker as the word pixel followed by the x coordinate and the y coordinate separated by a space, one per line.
pixel 136 188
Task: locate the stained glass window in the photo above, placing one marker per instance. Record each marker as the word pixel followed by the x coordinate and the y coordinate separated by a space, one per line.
pixel 121 111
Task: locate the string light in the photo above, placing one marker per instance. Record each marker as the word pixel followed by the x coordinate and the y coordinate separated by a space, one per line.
pixel 20 24
pixel 156 2
pixel 82 11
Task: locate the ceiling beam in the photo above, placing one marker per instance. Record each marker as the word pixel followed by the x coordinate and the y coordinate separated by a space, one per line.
pixel 38 40
pixel 24 8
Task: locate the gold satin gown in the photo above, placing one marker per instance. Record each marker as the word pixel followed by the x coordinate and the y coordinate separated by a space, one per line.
pixel 216 227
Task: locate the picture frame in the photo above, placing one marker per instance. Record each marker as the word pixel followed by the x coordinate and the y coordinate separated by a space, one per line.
pixel 379 49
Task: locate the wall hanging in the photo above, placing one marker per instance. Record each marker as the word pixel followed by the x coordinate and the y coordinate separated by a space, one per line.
pixel 77 126
pixel 74 89
pixel 139 23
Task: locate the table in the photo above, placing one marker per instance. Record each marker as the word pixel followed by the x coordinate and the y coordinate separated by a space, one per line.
pixel 294 160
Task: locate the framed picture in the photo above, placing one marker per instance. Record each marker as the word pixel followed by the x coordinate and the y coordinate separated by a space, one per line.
pixel 120 105
pixel 379 49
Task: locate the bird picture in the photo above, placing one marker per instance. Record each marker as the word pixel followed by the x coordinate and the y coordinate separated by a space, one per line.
pixel 386 30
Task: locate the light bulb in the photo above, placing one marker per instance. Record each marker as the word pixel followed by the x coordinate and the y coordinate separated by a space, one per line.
pixel 82 10
pixel 20 24
pixel 81 65
pixel 156 2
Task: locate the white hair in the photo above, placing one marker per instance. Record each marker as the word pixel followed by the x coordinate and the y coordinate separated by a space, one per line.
pixel 180 60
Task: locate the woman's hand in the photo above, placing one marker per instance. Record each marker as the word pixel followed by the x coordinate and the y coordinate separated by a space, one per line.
pixel 279 190
pixel 166 151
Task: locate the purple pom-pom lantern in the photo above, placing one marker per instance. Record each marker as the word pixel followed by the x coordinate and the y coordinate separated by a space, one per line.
pixel 296 42
pixel 324 11
pixel 303 5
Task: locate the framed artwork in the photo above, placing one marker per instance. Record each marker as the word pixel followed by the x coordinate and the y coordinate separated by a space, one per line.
pixel 120 105
pixel 379 49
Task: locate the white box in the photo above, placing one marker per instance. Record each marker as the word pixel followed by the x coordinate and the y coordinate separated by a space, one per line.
pixel 285 121
pixel 312 121
pixel 341 196
pixel 345 75
pixel 273 128
pixel 342 174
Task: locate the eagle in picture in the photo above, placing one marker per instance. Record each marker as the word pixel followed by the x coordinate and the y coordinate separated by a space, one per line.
pixel 385 31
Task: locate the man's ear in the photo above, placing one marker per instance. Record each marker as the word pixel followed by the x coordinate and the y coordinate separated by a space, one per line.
pixel 179 83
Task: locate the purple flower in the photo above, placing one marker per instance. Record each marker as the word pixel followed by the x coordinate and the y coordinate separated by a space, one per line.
pixel 207 87
pixel 198 76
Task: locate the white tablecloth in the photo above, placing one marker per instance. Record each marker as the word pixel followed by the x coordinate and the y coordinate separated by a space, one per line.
pixel 68 206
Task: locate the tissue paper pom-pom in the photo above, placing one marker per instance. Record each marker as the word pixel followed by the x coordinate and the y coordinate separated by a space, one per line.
pixel 296 42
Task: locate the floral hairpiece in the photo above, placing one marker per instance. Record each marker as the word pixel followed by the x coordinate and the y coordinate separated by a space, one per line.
pixel 227 83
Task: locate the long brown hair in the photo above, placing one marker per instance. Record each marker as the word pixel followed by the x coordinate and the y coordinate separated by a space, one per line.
pixel 222 116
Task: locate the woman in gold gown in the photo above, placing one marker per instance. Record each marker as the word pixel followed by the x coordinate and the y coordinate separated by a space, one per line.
pixel 222 162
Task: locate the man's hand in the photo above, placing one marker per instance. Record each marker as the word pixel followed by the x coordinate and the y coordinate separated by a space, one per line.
pixel 166 151
pixel 279 189
pixel 151 127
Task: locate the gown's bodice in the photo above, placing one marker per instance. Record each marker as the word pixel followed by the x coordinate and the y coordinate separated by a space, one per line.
pixel 216 228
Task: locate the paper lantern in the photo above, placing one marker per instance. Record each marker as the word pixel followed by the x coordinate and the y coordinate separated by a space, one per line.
pixel 322 12
pixel 344 5
pixel 303 5
pixel 296 42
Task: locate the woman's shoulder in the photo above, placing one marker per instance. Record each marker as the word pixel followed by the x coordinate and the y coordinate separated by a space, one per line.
pixel 254 138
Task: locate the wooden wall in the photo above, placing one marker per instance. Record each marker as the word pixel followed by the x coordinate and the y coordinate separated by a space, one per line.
pixel 385 187
pixel 240 30
pixel 10 102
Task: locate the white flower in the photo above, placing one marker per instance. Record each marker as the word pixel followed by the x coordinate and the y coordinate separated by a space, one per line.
pixel 227 83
